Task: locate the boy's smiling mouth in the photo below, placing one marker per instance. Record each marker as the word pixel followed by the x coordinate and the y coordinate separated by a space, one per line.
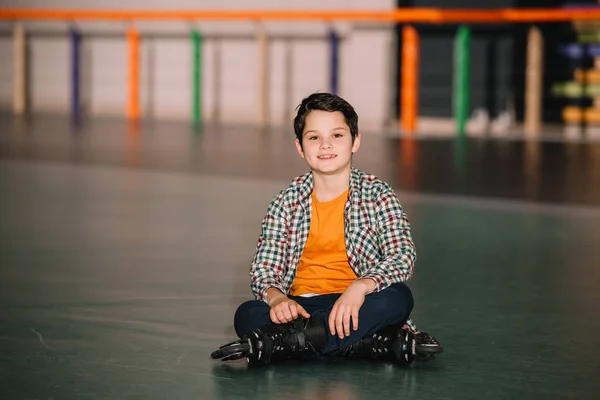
pixel 327 156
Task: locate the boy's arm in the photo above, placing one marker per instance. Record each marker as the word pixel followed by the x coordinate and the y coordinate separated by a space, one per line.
pixel 267 267
pixel 396 244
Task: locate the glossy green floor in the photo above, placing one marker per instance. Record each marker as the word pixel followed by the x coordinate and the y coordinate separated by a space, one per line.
pixel 117 283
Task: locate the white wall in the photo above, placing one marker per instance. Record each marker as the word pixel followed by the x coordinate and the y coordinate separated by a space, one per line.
pixel 229 79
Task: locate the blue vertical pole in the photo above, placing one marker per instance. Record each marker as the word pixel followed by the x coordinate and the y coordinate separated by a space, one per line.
pixel 75 53
pixel 334 42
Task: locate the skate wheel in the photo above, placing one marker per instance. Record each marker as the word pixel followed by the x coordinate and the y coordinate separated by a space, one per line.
pixel 232 351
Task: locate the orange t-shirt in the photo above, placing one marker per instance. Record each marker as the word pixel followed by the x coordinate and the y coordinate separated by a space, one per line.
pixel 324 267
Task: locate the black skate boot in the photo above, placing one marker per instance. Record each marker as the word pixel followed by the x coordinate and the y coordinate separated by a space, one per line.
pixel 299 339
pixel 394 344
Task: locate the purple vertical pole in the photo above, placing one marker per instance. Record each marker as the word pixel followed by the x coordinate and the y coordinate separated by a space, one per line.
pixel 75 44
pixel 334 41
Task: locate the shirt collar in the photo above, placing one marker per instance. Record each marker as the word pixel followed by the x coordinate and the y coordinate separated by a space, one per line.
pixel 307 181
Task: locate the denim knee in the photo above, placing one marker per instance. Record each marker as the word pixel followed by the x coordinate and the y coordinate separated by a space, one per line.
pixel 249 316
pixel 396 300
pixel 403 294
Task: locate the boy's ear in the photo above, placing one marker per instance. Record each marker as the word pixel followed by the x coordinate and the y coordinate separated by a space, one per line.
pixel 356 144
pixel 299 148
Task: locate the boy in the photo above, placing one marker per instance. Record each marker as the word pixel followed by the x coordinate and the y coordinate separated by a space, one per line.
pixel 331 261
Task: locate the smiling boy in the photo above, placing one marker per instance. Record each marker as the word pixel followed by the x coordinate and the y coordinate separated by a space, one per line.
pixel 334 252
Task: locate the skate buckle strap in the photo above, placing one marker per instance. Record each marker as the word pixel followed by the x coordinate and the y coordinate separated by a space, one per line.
pixel 301 340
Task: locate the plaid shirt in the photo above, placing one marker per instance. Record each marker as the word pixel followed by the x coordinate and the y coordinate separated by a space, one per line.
pixel 377 234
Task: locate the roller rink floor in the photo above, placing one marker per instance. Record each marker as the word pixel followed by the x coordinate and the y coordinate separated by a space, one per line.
pixel 124 253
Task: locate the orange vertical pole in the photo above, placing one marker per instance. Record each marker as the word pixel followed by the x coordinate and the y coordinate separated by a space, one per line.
pixel 409 79
pixel 133 85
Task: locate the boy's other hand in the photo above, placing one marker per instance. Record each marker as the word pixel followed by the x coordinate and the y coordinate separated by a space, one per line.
pixel 347 306
pixel 283 309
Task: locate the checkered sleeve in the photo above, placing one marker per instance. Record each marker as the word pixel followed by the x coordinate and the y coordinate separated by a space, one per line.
pixel 267 267
pixel 398 253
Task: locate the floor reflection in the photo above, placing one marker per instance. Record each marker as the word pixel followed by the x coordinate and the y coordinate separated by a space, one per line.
pixel 320 380
pixel 556 172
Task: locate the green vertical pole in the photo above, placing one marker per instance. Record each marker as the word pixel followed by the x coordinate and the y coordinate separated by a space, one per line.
pixel 196 70
pixel 462 58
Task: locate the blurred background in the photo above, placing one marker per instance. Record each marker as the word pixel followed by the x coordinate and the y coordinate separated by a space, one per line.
pixel 514 79
pixel 248 70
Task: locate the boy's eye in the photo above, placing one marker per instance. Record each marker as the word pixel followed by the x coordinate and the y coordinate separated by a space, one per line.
pixel 312 138
pixel 338 135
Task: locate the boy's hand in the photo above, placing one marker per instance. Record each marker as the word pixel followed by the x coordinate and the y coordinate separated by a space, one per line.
pixel 283 309
pixel 347 306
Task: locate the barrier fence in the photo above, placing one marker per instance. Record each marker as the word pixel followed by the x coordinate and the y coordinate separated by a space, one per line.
pixel 410 52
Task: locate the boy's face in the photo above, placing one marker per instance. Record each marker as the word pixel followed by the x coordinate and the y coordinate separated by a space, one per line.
pixel 327 142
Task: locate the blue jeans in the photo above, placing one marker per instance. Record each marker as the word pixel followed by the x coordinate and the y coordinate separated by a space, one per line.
pixel 392 305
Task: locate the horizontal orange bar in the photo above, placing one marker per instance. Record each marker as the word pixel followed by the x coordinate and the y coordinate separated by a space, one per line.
pixel 475 16
pixel 190 15
pixel 412 15
pixel 549 15
pixel 408 15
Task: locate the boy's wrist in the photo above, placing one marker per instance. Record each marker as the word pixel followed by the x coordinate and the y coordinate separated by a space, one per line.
pixel 367 284
pixel 272 294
